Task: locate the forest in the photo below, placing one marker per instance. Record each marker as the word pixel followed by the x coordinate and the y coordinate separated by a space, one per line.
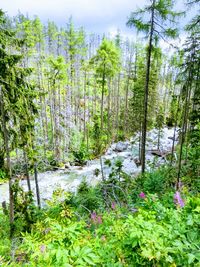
pixel 100 141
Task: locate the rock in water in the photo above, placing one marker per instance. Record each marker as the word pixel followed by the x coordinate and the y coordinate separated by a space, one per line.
pixel 159 153
pixel 121 146
pixel 129 166
pixel 109 152
pixel 156 152
pixel 137 161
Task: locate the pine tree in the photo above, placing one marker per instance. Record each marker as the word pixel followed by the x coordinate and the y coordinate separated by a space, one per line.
pixel 17 102
pixel 106 63
pixel 157 14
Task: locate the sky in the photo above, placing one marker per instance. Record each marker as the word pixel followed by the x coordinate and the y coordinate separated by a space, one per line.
pixel 96 16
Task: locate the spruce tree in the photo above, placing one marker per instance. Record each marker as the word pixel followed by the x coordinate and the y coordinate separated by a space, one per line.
pixel 152 20
pixel 106 63
pixel 17 101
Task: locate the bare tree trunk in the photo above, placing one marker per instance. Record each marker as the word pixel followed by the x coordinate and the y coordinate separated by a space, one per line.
pixel 175 127
pixel 144 127
pixel 37 186
pixel 109 131
pixel 27 171
pixel 126 105
pixel 84 105
pixel 117 111
pixel 102 96
pixel 56 123
pixel 159 134
pixel 51 115
pixel 183 130
pixel 95 98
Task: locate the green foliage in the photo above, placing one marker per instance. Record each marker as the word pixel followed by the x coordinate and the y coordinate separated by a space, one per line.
pixel 96 134
pixel 25 210
pixel 124 221
pixel 135 229
pixel 191 169
pixel 96 172
pixel 136 107
pixel 150 235
pixel 56 71
pixel 81 155
pixel 106 60
pixel 174 112
pixel 4 240
pixel 155 183
pixel 120 136
pixel 88 198
pixel 2 176
pixel 158 181
pixel 160 119
pixel 18 107
pixel 162 11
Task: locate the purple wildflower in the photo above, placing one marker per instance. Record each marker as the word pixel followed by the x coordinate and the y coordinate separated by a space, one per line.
pixel 113 205
pixel 178 200
pixel 96 219
pixel 93 216
pixel 42 248
pixel 142 195
pixel 99 219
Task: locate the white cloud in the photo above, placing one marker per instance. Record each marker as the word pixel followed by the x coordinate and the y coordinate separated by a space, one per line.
pixel 94 15
pixel 91 14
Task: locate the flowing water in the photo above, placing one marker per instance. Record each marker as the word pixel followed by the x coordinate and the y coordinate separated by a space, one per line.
pixel 69 179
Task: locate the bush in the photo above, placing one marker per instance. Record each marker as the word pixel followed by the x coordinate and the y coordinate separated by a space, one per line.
pixel 151 235
pixel 81 155
pixel 2 176
pixel 88 198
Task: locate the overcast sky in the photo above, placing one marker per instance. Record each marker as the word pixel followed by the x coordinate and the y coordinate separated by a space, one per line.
pixel 100 16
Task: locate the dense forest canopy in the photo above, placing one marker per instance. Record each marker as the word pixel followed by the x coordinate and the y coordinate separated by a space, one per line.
pixel 65 97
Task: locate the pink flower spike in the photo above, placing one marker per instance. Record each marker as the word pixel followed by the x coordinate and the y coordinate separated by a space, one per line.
pixel 113 205
pixel 93 216
pixel 178 200
pixel 42 248
pixel 142 195
pixel 99 219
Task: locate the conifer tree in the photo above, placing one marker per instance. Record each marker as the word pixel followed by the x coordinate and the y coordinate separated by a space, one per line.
pixel 106 63
pixel 152 20
pixel 17 101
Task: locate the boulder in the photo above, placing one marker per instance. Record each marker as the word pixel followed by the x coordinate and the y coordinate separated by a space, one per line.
pixel 125 154
pixel 121 146
pixel 112 147
pixel 67 165
pixel 109 152
pixel 129 166
pixel 137 162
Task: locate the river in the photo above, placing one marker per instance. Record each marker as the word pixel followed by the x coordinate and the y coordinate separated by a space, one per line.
pixel 69 179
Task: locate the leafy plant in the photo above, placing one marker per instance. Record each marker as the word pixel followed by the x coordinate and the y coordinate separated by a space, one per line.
pixel 81 155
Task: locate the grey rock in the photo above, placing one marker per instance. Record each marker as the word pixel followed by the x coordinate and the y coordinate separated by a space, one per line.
pixel 121 146
pixel 67 165
pixel 109 152
pixel 137 161
pixel 129 166
pixel 125 154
